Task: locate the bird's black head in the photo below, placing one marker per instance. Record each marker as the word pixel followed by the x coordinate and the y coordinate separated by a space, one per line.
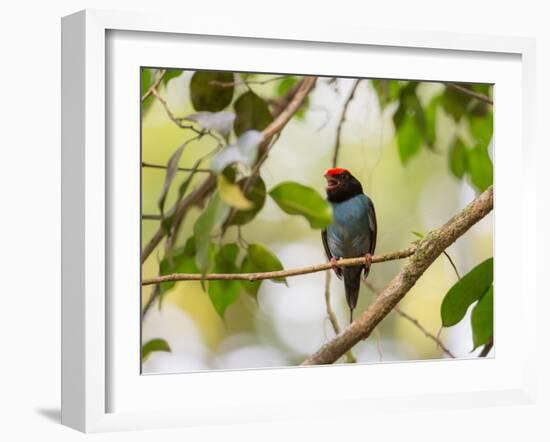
pixel 341 185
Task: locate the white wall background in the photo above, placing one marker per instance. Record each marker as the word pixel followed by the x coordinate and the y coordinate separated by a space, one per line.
pixel 30 221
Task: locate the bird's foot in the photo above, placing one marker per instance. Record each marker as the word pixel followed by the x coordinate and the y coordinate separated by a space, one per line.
pixel 334 263
pixel 368 259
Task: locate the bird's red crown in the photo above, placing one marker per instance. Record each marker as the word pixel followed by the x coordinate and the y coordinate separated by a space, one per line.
pixel 335 171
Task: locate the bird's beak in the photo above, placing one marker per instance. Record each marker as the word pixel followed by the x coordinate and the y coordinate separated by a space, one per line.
pixel 331 182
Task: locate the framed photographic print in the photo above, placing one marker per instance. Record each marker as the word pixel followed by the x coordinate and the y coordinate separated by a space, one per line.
pixel 248 216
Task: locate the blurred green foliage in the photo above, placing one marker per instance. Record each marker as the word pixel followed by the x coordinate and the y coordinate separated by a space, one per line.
pixel 223 107
pixel 416 125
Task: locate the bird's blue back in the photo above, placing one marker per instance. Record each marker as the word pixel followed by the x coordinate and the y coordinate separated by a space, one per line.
pixel 350 233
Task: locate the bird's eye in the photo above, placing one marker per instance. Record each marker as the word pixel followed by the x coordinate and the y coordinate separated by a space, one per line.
pixel 346 176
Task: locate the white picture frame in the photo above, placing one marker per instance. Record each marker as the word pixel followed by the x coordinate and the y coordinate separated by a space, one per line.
pixel 89 171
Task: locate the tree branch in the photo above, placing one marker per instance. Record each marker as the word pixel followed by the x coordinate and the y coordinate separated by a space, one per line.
pixel 425 254
pixel 181 169
pixel 420 327
pixel 209 184
pixel 199 194
pixel 158 79
pixel 151 217
pixel 413 321
pixel 341 122
pixel 245 82
pixel 471 93
pixel 259 276
pixel 286 114
pixel 486 348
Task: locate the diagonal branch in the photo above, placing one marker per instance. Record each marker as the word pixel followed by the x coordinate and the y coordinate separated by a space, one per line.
pixel 471 93
pixel 420 327
pixel 158 79
pixel 425 254
pixel 486 348
pixel 397 309
pixel 259 276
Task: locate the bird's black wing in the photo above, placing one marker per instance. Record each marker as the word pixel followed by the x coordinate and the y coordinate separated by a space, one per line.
pixel 337 270
pixel 373 227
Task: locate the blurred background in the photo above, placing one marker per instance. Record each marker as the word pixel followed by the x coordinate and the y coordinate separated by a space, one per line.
pixel 415 186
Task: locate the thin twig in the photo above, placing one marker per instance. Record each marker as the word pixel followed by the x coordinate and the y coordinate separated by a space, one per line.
pixel 245 82
pixel 350 358
pixel 158 79
pixel 412 320
pixel 486 348
pixel 179 121
pixel 471 93
pixel 182 169
pixel 199 194
pixel 176 120
pixel 341 122
pixel 286 114
pixel 427 251
pixel 209 184
pixel 378 346
pixel 151 217
pixel 330 313
pixel 258 276
pixel 420 327
pixel 453 264
pixel 294 100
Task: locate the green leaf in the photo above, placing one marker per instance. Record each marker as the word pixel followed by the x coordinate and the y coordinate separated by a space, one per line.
pixel 180 260
pixel 252 113
pixel 224 293
pixel 260 259
pixel 387 90
pixel 251 287
pixel 170 75
pixel 418 234
pixel 219 121
pixel 285 85
pixel 482 88
pixel 465 292
pixel 480 168
pixel 146 81
pixel 232 194
pixel 154 345
pixel 213 216
pixel 171 170
pixel 168 218
pixel 256 194
pixel 409 105
pixel 297 199
pixel 409 138
pixel 481 129
pixel 482 319
pixel 455 102
pixel 458 158
pixel 243 151
pixel 430 116
pixel 209 91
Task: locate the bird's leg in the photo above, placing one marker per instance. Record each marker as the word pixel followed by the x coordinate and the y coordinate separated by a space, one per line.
pixel 368 260
pixel 334 263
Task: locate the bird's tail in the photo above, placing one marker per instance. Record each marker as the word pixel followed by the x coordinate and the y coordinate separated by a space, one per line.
pixel 352 284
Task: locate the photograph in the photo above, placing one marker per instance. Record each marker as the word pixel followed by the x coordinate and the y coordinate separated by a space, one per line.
pixel 291 219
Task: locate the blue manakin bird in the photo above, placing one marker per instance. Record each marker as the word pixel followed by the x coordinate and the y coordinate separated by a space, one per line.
pixel 352 232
